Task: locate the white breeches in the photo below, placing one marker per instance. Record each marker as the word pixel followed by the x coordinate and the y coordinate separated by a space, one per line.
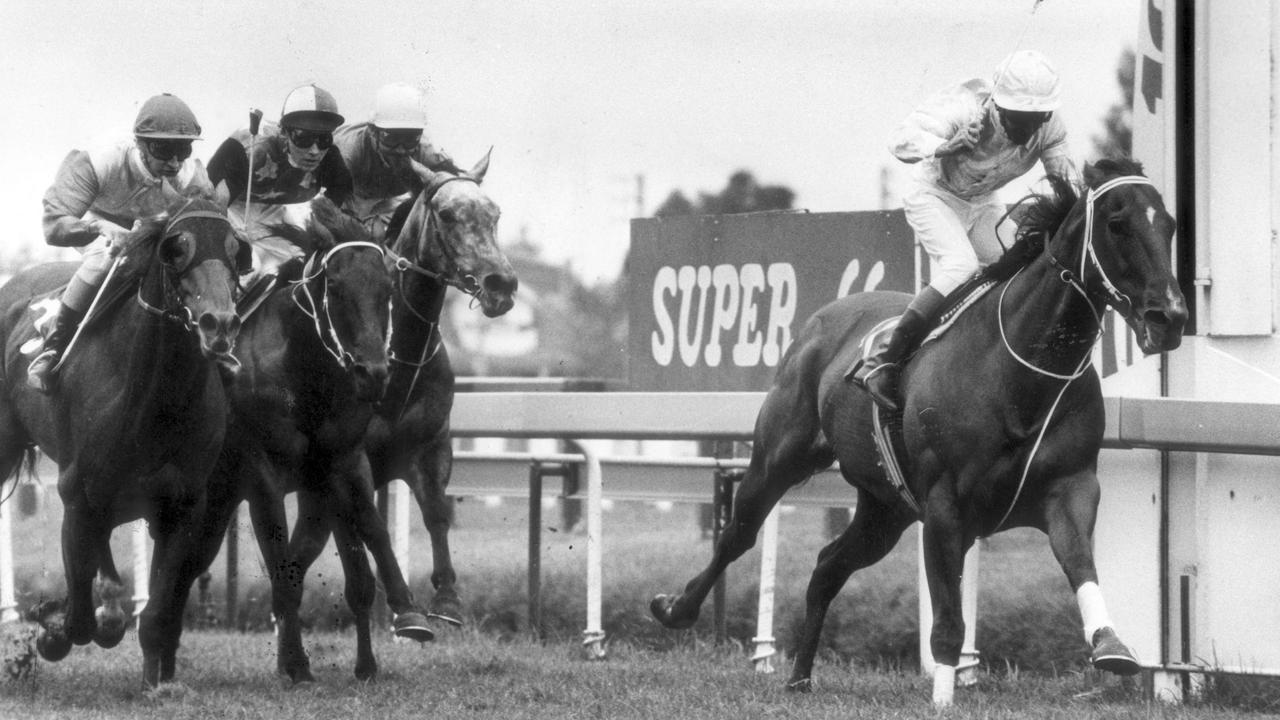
pixel 959 235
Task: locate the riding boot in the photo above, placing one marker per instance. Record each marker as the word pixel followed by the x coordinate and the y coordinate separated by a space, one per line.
pixel 878 373
pixel 40 371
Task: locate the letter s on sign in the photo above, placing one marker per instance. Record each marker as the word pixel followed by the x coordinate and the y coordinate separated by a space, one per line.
pixel 662 342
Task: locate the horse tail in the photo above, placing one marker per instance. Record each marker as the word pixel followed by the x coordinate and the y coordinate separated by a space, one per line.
pixel 26 465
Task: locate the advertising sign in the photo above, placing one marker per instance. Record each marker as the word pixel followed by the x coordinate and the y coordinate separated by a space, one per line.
pixel 715 300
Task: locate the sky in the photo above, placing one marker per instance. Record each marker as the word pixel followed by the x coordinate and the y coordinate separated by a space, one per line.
pixel 583 102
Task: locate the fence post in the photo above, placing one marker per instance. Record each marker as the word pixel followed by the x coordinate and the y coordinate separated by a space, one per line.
pixel 722 500
pixel 400 533
pixel 141 568
pixel 8 601
pixel 535 548
pixel 593 637
pixel 764 641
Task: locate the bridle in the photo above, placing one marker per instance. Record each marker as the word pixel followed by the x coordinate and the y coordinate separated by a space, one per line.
pixel 452 275
pixel 317 268
pixel 1088 258
pixel 181 315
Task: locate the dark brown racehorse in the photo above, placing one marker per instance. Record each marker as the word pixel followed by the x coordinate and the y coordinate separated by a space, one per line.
pixel 446 239
pixel 135 423
pixel 314 360
pixel 1002 422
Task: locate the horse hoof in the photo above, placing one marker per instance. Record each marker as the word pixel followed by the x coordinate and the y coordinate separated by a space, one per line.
pixel 53 648
pixel 661 606
pixel 301 676
pixel 1111 655
pixel 111 630
pixel 412 625
pixel 803 685
pixel 446 608
pixel 367 673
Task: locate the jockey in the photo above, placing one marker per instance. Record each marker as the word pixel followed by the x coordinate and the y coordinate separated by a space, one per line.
pixel 967 142
pixel 97 197
pixel 292 162
pixel 381 153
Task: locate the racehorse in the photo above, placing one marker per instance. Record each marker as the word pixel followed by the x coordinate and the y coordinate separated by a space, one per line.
pixel 1002 422
pixel 314 357
pixel 135 422
pixel 444 237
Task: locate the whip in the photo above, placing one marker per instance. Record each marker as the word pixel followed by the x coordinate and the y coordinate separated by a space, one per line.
pixel 255 119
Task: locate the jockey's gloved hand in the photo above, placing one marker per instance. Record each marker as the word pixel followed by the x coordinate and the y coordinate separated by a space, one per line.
pixel 119 243
pixel 962 141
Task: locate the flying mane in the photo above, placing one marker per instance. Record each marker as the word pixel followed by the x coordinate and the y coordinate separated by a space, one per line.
pixel 1040 215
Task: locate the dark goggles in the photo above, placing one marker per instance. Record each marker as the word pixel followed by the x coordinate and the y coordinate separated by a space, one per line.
pixel 399 139
pixel 166 150
pixel 306 138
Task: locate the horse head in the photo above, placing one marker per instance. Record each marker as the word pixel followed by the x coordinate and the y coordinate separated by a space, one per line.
pixel 450 233
pixel 1125 258
pixel 346 288
pixel 195 253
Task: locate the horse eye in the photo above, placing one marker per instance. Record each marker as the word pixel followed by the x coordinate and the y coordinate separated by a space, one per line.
pixel 1117 226
pixel 448 215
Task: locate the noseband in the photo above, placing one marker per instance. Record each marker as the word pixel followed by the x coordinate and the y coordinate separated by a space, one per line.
pixel 312 270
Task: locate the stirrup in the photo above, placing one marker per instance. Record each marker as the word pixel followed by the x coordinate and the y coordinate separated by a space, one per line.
pixel 886 398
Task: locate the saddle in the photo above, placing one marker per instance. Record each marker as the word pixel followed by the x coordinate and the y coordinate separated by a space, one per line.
pixel 886 425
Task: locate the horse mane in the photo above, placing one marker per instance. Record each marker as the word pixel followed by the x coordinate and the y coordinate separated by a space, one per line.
pixel 1039 216
pixel 327 226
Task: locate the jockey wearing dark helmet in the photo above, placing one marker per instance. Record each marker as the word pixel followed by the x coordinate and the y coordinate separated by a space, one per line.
pixel 968 142
pixel 292 162
pixel 381 153
pixel 98 196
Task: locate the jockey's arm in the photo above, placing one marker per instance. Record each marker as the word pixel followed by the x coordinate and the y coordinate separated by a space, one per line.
pixel 931 127
pixel 335 177
pixel 1062 166
pixel 67 200
pixel 230 165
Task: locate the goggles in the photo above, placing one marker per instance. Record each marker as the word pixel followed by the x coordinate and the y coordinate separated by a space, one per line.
pixel 399 139
pixel 304 139
pixel 166 150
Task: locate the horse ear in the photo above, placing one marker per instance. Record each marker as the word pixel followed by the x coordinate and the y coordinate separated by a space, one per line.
pixel 424 173
pixel 477 173
pixel 222 194
pixel 1092 175
pixel 323 216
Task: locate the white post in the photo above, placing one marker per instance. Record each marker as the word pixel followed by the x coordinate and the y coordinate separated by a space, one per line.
pixel 141 567
pixel 764 641
pixel 401 500
pixel 593 636
pixel 966 671
pixel 8 603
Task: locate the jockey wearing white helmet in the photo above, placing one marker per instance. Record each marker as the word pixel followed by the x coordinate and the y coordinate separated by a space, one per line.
pixel 967 142
pixel 96 198
pixel 381 154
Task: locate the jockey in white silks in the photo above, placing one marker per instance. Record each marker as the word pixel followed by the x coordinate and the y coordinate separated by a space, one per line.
pixel 98 196
pixel 381 153
pixel 967 142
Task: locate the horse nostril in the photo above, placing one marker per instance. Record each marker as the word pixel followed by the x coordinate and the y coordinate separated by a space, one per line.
pixel 503 283
pixel 233 326
pixel 208 323
pixel 1156 317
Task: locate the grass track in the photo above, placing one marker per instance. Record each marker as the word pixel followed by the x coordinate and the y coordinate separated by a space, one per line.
pixel 472 675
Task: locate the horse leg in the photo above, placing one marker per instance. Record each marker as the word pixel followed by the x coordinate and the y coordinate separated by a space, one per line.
pixel 359 590
pixel 351 501
pixel 783 455
pixel 82 535
pixel 1070 511
pixel 430 483
pixel 270 527
pixel 874 531
pixel 945 543
pixel 176 530
pixel 112 621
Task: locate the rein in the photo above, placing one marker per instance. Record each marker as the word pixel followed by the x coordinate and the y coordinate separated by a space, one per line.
pixel 451 276
pixel 311 271
pixel 1087 254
